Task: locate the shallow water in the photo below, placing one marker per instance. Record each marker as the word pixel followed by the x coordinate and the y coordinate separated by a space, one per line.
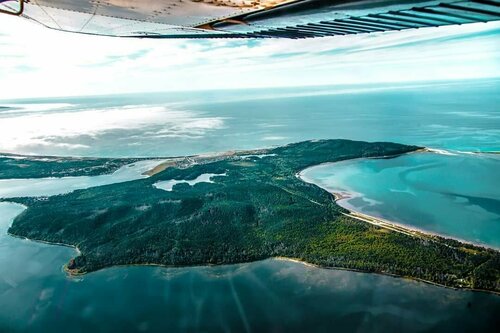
pixel 168 185
pixel 454 195
pixel 34 187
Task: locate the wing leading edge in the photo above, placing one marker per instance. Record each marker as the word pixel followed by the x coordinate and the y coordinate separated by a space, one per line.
pixel 249 18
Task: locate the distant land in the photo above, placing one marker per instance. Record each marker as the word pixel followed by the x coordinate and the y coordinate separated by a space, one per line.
pixel 14 166
pixel 256 209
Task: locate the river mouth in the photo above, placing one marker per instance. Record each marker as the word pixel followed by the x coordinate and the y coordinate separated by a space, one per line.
pixel 454 195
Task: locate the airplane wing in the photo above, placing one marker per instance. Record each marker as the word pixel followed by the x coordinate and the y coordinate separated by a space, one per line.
pixel 247 18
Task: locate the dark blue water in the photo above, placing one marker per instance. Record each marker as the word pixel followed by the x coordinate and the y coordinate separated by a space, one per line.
pixel 270 295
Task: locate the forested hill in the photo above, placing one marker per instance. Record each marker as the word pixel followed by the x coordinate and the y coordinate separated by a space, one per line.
pixel 257 209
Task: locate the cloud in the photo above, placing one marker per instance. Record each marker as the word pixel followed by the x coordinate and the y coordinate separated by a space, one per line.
pixel 65 129
pixel 25 68
pixel 51 63
pixel 111 59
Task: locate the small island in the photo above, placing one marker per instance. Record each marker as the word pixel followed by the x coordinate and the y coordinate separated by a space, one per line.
pixel 253 207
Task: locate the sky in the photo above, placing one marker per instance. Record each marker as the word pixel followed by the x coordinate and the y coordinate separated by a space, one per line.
pixel 39 62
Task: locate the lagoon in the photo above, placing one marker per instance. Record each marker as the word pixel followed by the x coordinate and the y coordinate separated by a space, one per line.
pixel 454 194
pixel 168 185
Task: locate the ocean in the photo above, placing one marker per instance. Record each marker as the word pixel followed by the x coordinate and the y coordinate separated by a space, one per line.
pixel 449 115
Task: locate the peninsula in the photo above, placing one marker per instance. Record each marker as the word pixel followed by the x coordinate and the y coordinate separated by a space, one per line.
pixel 253 207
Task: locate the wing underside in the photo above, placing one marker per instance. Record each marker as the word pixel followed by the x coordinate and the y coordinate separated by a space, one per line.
pixel 249 18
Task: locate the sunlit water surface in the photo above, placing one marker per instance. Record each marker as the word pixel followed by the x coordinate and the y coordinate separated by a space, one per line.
pixel 450 115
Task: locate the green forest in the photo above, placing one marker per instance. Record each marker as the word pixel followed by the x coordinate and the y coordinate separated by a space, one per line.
pixel 259 209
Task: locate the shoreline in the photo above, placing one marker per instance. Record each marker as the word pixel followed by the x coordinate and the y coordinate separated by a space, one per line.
pixel 188 161
pixel 308 264
pixel 74 274
pixel 209 154
pixel 337 198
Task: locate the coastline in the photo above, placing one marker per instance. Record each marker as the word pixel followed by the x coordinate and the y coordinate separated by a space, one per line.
pixel 337 198
pixel 188 161
pixel 308 264
pixel 340 199
pixel 72 274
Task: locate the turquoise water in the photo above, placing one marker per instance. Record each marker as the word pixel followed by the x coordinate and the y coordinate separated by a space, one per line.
pixel 453 195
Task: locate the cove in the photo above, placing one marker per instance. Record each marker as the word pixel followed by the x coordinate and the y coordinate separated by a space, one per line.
pixel 452 194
